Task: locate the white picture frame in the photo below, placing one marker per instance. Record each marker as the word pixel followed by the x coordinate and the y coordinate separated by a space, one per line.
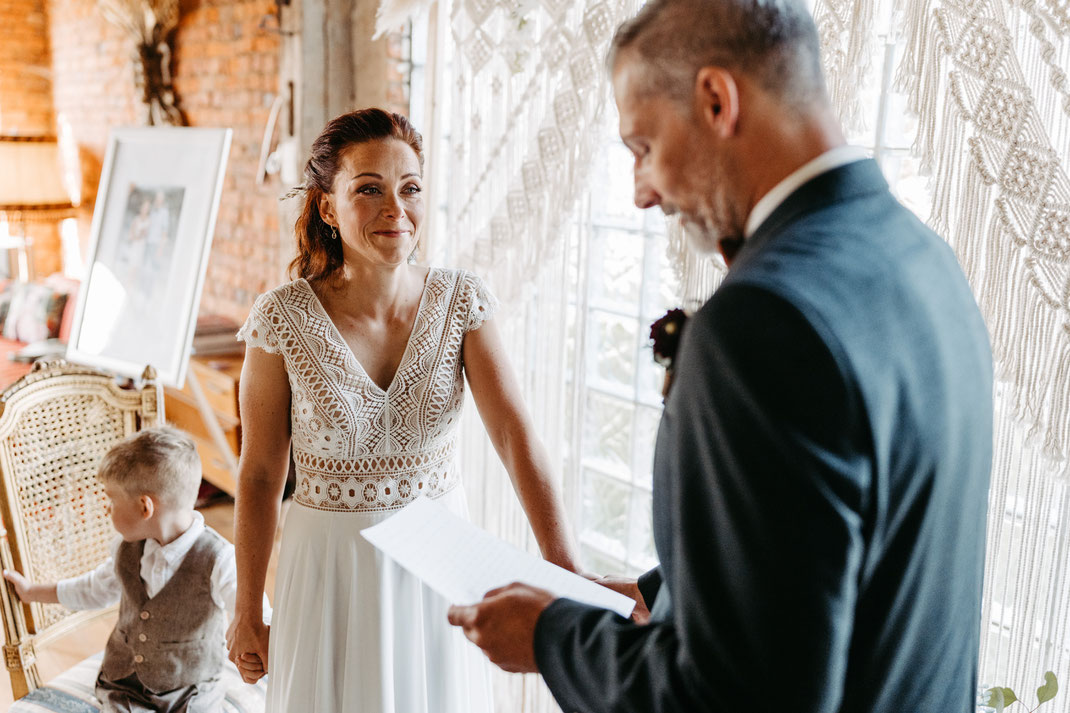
pixel 151 237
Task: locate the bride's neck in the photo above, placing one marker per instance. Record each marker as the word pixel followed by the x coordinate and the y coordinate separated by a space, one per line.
pixel 378 291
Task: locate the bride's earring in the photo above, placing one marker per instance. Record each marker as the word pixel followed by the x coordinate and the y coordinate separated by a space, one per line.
pixel 334 233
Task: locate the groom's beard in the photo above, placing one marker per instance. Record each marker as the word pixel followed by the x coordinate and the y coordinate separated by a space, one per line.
pixel 711 227
pixel 700 239
pixel 706 238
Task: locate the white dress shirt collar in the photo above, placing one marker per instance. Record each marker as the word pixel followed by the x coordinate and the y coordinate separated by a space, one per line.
pixel 174 551
pixel 833 158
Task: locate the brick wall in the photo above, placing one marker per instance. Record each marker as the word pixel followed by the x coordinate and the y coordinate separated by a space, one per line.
pixel 25 87
pixel 26 103
pixel 93 89
pixel 226 73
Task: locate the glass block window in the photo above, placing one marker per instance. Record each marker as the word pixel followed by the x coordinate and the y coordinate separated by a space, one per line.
pixel 626 283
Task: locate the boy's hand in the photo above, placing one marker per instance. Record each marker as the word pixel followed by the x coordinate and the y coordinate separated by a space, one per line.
pixel 30 592
pixel 20 583
pixel 250 667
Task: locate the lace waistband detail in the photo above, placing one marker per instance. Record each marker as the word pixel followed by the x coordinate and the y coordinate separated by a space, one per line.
pixel 366 483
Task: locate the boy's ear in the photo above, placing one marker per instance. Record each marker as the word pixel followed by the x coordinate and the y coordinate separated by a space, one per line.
pixel 148 506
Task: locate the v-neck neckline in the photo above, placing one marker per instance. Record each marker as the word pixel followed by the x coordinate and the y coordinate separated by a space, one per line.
pixel 349 350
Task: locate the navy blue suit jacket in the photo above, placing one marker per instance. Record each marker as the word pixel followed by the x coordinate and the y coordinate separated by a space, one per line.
pixel 820 482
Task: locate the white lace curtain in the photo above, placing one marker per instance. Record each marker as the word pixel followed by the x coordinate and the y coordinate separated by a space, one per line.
pixel 518 97
pixel 988 81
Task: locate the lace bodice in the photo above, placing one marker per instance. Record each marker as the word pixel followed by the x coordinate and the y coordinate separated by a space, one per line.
pixel 356 446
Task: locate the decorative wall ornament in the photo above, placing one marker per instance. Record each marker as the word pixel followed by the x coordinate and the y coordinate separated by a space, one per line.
pixel 988 81
pixel 150 24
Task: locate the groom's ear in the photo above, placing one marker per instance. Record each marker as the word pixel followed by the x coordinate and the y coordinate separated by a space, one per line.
pixel 717 100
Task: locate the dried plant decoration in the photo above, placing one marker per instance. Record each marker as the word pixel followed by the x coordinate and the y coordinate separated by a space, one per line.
pixel 150 24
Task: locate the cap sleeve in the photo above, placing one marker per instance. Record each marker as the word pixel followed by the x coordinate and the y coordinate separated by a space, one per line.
pixel 483 302
pixel 258 330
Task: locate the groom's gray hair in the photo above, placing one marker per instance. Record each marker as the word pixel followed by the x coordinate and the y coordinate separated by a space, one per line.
pixel 775 42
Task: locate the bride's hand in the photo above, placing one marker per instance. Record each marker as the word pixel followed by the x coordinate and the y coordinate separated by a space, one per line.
pixel 629 588
pixel 247 646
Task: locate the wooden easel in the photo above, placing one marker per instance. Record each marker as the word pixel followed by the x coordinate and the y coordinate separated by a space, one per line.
pixel 211 422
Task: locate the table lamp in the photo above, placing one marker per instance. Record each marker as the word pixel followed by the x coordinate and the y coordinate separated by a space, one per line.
pixel 32 189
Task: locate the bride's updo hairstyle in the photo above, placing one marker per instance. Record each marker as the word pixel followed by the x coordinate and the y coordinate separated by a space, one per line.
pixel 319 253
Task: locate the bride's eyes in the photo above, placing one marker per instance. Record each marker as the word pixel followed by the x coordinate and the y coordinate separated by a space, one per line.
pixel 373 190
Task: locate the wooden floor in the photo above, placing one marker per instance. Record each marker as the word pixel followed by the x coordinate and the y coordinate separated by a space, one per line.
pixel 91 638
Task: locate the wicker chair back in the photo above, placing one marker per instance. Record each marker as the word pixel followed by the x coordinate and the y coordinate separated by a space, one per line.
pixel 56 423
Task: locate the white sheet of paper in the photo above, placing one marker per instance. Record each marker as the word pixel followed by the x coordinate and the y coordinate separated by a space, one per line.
pixel 462 562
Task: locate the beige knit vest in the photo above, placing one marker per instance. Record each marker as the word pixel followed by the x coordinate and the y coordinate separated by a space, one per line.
pixel 174 639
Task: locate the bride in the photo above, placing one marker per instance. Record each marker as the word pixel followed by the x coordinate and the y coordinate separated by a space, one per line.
pixel 359 365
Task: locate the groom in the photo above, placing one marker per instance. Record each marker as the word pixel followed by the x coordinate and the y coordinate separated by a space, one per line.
pixel 821 470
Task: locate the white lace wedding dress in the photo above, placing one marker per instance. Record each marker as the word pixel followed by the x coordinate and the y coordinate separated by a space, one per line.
pixel 352 632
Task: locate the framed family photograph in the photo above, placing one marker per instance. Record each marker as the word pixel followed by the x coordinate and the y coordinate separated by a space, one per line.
pixel 152 233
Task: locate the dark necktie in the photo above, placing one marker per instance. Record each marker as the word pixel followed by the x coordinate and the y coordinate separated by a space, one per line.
pixel 729 247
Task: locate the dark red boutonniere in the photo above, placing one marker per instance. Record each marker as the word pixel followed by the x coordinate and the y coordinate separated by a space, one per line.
pixel 665 333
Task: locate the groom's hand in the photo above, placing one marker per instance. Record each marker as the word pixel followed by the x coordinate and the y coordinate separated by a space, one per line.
pixel 503 625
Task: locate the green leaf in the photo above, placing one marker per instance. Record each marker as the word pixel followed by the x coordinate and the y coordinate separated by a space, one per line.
pixel 1049 689
pixel 994 699
pixel 1008 696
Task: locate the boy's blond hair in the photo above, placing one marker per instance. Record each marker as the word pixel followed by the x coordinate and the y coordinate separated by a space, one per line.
pixel 161 461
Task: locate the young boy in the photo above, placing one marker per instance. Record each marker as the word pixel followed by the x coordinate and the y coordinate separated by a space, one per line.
pixel 174 579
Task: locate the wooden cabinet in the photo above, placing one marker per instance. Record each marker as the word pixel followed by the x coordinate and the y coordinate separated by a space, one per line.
pixel 218 379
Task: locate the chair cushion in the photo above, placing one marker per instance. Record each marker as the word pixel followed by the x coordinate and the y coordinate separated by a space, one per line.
pixel 73 692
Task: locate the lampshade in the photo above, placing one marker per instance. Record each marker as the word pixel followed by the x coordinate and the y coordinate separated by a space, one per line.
pixel 31 176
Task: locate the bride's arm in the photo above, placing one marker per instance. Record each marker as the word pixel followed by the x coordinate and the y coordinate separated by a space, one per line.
pixel 265 415
pixel 497 396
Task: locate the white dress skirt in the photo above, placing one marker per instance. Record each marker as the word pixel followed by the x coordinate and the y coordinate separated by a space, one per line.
pixel 351 631
pixel 355 632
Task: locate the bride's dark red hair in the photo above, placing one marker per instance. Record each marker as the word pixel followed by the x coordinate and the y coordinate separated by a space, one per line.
pixel 319 256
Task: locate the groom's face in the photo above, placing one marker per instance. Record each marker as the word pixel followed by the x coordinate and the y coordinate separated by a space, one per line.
pixel 677 165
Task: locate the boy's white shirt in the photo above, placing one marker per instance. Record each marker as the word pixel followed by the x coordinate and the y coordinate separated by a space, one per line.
pixel 101 587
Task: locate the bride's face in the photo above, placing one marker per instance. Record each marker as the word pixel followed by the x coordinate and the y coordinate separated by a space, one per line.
pixel 377 202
